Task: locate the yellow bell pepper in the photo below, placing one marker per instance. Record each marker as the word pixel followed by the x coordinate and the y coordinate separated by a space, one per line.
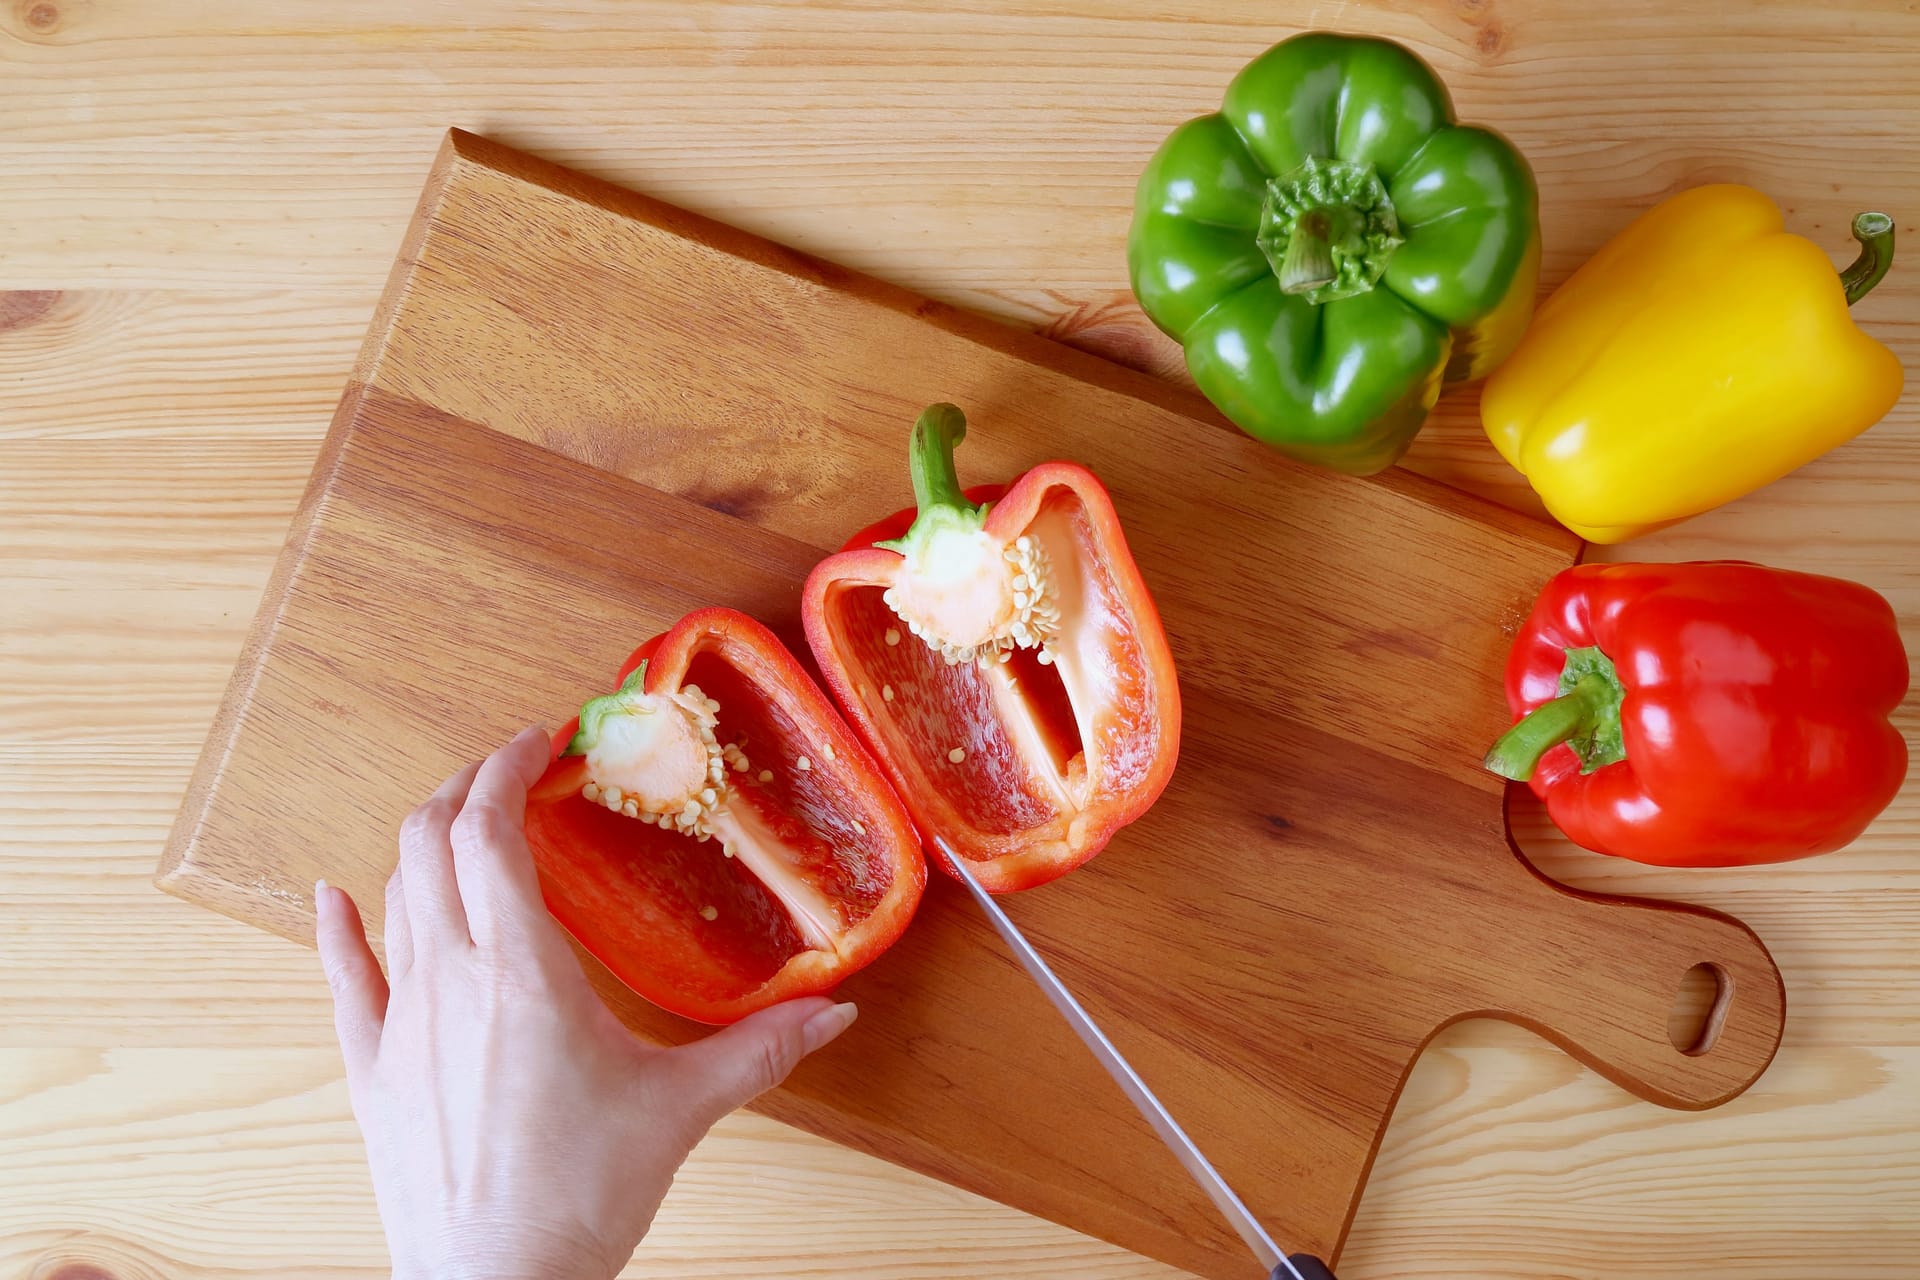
pixel 1701 354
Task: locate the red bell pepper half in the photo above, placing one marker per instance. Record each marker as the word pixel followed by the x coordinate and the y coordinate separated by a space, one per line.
pixel 1004 661
pixel 714 833
pixel 1709 714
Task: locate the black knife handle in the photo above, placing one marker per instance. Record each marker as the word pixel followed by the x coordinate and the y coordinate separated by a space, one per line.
pixel 1309 1267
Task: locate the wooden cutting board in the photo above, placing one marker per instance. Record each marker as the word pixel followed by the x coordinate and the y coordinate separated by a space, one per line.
pixel 581 412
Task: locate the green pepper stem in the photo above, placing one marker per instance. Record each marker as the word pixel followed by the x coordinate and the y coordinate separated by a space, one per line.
pixel 939 500
pixel 936 481
pixel 1327 229
pixel 1308 263
pixel 1874 231
pixel 1518 751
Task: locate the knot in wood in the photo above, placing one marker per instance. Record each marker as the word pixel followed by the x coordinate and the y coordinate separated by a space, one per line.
pixel 22 307
pixel 75 1271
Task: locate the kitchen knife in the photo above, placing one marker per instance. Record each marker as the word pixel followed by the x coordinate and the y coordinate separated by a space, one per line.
pixel 1299 1266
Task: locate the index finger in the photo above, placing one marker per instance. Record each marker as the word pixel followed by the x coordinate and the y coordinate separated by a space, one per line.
pixel 506 775
pixel 435 916
pixel 491 861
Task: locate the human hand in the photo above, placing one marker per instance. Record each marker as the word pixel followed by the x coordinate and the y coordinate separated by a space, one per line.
pixel 514 1128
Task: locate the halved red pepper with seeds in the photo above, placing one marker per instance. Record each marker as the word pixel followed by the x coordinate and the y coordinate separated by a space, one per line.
pixel 715 834
pixel 1003 659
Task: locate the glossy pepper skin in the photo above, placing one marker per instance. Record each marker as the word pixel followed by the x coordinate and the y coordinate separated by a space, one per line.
pixel 1700 354
pixel 1706 715
pixel 1331 247
pixel 715 937
pixel 1027 765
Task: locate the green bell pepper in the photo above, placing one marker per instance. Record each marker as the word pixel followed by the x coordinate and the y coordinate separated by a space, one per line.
pixel 1330 247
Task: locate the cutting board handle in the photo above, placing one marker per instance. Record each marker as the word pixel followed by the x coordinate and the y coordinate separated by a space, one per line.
pixel 1619 965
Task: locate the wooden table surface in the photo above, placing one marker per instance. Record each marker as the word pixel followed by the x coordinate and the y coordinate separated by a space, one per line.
pixel 198 206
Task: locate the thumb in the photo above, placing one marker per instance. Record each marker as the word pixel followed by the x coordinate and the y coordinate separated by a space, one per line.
pixel 732 1067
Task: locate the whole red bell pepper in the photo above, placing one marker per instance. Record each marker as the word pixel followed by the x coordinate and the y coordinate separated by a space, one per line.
pixel 1004 661
pixel 1708 714
pixel 715 834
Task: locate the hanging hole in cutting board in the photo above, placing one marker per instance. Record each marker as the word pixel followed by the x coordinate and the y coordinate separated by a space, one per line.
pixel 1699 1009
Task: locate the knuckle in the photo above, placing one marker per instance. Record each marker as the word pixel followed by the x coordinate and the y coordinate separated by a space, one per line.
pixel 355 1032
pixel 480 825
pixel 340 973
pixel 771 1065
pixel 509 970
pixel 418 827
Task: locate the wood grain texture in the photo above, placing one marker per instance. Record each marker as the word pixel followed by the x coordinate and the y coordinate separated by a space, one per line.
pixel 1325 885
pixel 216 194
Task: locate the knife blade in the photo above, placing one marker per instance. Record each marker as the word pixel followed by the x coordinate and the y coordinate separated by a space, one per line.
pixel 1280 1266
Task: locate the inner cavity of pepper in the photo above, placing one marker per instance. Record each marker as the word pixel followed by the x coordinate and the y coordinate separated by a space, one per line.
pixel 1003 734
pixel 796 831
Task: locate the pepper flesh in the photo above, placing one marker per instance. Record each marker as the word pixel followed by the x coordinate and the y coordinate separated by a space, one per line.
pixel 1709 714
pixel 1030 751
pixel 792 878
pixel 1331 247
pixel 1702 353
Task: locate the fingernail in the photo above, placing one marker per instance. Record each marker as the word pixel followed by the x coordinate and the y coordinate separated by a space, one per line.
pixel 823 1026
pixel 319 892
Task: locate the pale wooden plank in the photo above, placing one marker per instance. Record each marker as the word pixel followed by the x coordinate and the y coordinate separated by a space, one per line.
pixel 104 365
pixel 196 1164
pixel 1507 1161
pixel 957 149
pixel 1496 1169
pixel 134 566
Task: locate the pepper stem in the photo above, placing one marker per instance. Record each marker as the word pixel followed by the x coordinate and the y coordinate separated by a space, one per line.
pixel 1308 263
pixel 1572 715
pixel 1327 229
pixel 1874 231
pixel 937 493
pixel 937 432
